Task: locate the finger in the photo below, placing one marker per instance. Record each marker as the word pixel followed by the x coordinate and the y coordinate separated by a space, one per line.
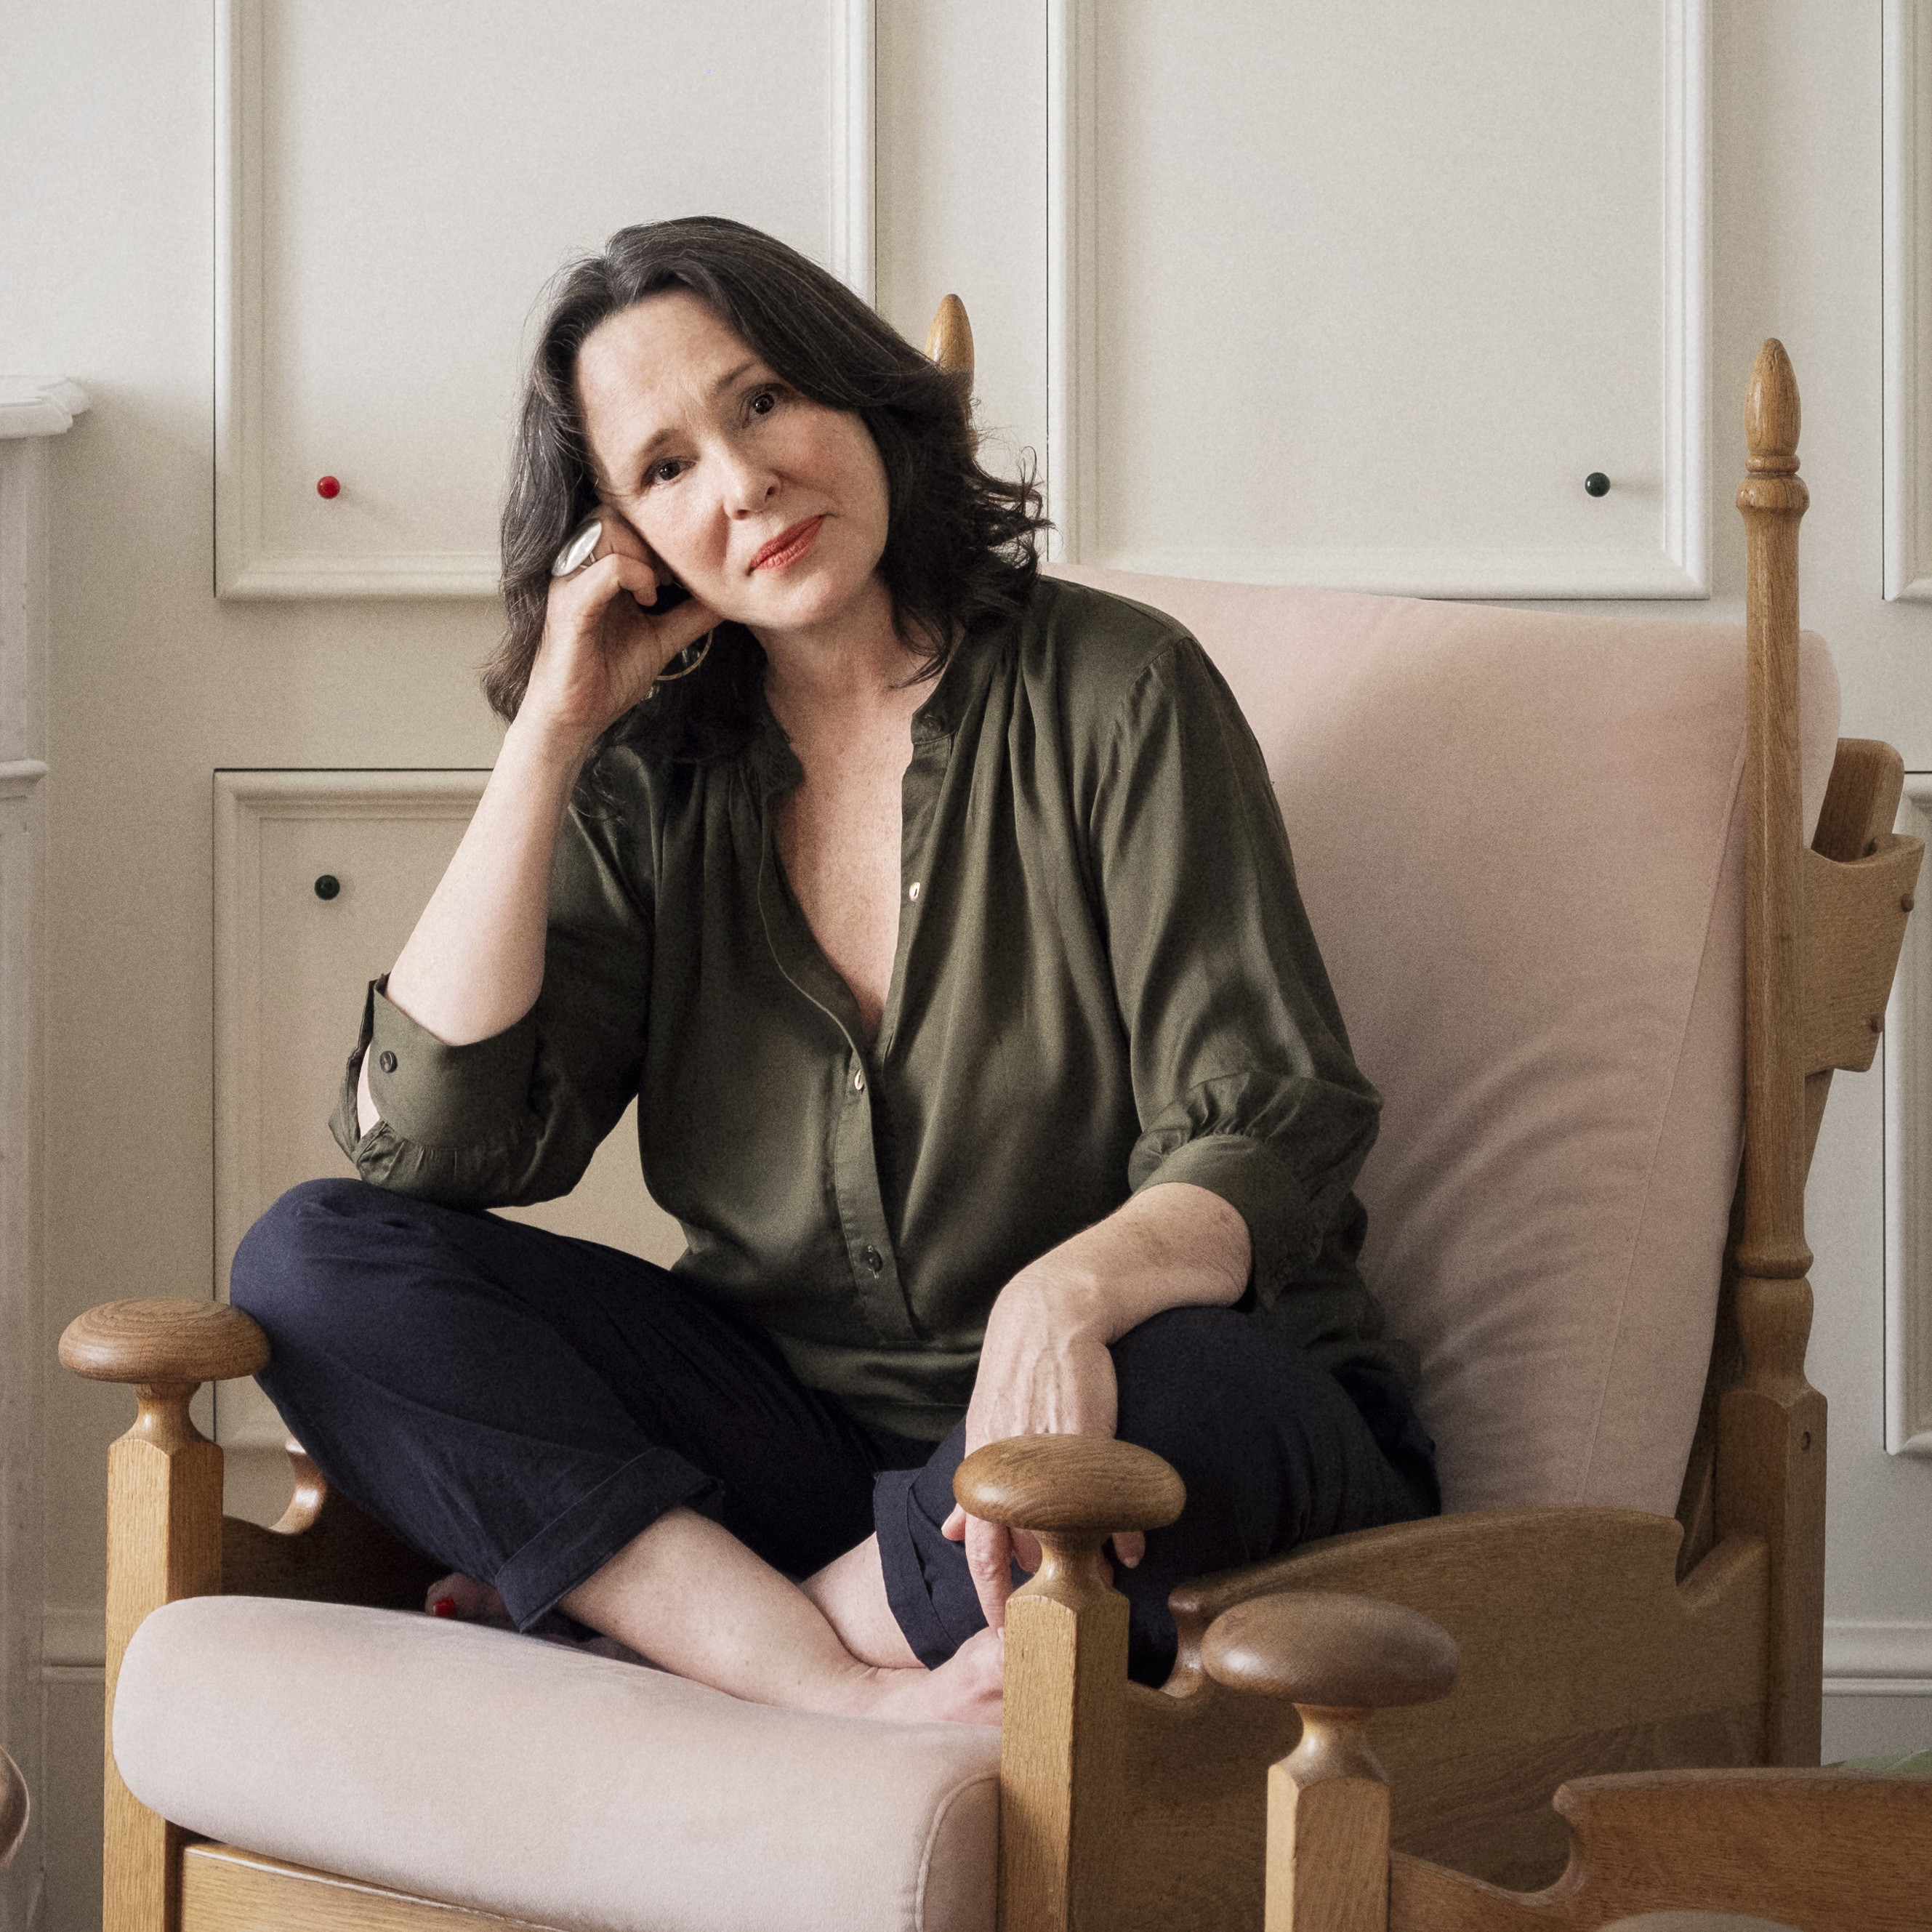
pixel 616 537
pixel 954 1527
pixel 989 1559
pixel 1026 1549
pixel 578 602
pixel 1130 1546
pixel 623 571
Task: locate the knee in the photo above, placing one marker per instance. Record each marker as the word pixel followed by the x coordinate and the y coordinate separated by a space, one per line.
pixel 282 1272
pixel 1206 1386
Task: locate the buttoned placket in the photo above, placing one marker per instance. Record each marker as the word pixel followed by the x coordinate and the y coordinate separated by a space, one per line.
pixel 871 1259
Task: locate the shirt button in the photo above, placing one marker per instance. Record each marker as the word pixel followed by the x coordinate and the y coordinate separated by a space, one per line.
pixel 912 891
pixel 859 1083
pixel 873 1258
pixel 387 1062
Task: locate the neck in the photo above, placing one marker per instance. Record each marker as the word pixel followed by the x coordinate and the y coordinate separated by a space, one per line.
pixel 856 658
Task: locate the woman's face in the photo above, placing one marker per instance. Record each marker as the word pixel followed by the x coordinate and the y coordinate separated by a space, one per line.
pixel 769 509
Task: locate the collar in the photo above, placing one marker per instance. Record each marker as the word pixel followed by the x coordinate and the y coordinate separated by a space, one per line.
pixel 773 765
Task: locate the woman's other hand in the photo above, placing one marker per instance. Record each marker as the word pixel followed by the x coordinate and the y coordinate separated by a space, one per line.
pixel 1044 1367
pixel 1044 1370
pixel 604 644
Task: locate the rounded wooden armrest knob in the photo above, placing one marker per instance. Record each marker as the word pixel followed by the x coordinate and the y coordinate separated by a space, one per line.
pixel 1068 1484
pixel 160 1342
pixel 1331 1652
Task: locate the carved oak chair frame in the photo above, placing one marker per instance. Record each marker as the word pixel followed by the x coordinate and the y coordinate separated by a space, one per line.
pixel 1592 1640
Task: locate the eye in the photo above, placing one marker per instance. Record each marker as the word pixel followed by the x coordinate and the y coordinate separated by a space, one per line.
pixel 762 402
pixel 667 469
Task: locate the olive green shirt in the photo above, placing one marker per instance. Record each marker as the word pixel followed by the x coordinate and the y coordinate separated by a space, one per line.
pixel 1104 979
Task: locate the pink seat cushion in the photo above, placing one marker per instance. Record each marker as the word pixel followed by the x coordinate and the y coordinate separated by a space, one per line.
pixel 516 1778
pixel 1520 836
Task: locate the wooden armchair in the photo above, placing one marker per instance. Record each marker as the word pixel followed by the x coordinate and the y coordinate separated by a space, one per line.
pixel 1593 1639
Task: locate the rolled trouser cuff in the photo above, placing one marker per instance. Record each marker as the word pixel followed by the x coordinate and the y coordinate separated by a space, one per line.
pixel 576 1545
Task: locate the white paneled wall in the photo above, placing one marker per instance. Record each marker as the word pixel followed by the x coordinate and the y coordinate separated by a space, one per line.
pixel 32 413
pixel 1361 297
pixel 1908 1151
pixel 319 877
pixel 1908 300
pixel 393 190
pixel 1314 292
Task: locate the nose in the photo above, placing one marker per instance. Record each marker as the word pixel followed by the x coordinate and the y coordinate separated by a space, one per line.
pixel 748 485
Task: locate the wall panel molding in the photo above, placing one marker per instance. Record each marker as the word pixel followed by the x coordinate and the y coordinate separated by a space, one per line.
pixel 1677 566
pixel 1908 318
pixel 247 805
pixel 1907 1064
pixel 855 41
pixel 248 562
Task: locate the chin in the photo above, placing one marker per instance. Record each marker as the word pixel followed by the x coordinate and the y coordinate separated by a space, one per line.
pixel 806 605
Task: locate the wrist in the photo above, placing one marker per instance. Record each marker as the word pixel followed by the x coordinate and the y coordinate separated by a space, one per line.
pixel 549 742
pixel 1061 1293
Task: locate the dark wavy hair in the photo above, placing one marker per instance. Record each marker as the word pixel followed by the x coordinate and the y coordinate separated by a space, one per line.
pixel 960 552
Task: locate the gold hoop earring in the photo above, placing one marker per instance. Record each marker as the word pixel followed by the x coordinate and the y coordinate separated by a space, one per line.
pixel 702 647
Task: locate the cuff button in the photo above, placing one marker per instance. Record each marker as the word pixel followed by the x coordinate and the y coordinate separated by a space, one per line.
pixel 387 1062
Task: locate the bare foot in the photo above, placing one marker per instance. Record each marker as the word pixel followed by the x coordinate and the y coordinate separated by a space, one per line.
pixel 463 1597
pixel 966 1689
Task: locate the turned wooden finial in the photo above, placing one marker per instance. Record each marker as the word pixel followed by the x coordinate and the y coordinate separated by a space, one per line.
pixel 1322 1648
pixel 1339 1659
pixel 1771 414
pixel 1063 1742
pixel 161 1343
pixel 949 342
pixel 1059 1484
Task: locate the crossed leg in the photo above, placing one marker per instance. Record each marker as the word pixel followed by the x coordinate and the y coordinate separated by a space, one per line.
pixel 438 1366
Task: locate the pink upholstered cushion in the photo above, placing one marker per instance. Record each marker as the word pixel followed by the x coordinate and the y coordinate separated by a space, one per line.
pixel 1518 836
pixel 507 1774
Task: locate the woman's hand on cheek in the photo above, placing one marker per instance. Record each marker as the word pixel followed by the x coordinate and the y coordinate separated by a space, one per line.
pixel 1044 1370
pixel 604 646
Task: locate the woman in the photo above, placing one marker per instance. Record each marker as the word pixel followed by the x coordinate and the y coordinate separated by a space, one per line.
pixel 942 917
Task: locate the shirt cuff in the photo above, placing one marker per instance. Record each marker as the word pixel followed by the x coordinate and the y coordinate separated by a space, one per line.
pixel 1260 1186
pixel 435 1095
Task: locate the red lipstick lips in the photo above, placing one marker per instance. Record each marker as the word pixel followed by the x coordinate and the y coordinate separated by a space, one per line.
pixel 788 546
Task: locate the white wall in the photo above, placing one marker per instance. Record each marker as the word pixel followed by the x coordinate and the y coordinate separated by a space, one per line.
pixel 106 229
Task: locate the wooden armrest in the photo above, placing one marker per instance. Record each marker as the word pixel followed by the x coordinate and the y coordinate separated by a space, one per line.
pixel 163 1522
pixel 1833 1851
pixel 1062 1736
pixel 1078 1485
pixel 160 1344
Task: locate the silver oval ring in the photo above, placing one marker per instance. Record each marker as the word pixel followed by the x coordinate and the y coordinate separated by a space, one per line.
pixel 578 547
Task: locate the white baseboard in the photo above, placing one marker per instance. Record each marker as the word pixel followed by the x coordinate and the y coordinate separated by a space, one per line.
pixel 1887 1658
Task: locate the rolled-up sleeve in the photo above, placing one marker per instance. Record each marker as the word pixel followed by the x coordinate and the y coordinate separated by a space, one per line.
pixel 515 1118
pixel 1241 1070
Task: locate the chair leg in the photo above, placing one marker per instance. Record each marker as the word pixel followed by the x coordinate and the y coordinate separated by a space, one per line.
pixel 163 1541
pixel 1328 1829
pixel 1063 1733
pixel 1061 1738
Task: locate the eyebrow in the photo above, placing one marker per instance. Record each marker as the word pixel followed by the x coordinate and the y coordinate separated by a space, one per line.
pixel 641 458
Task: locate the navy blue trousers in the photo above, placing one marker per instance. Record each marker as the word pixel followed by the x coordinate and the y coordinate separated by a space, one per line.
pixel 518 1406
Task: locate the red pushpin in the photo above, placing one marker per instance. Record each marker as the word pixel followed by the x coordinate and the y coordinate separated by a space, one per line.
pixel 328 486
pixel 443 1607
